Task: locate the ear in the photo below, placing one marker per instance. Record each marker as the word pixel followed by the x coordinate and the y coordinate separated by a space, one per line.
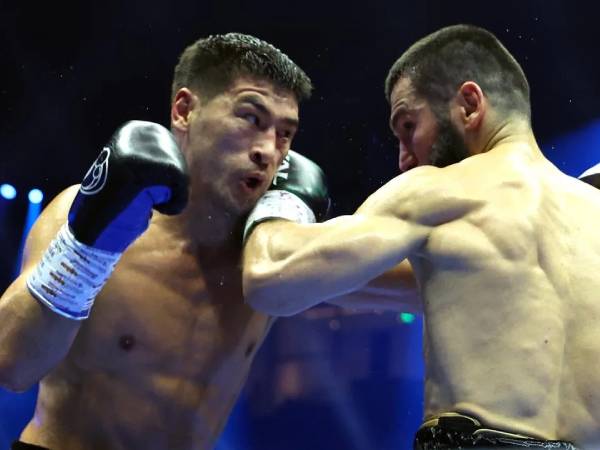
pixel 183 104
pixel 472 104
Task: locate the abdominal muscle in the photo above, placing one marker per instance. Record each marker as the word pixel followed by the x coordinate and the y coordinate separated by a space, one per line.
pixel 114 411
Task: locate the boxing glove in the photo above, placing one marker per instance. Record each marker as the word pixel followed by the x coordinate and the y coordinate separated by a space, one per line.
pixel 140 169
pixel 298 193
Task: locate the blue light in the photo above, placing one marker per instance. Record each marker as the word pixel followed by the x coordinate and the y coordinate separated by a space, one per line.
pixel 36 196
pixel 8 191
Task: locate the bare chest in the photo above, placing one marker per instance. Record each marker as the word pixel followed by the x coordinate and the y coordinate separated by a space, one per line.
pixel 168 315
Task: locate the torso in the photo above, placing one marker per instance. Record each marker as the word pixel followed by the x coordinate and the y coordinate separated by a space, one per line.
pixel 160 362
pixel 512 301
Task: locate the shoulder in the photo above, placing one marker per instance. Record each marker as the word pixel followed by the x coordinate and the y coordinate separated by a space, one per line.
pixel 406 187
pixel 62 202
pixel 47 225
pixel 56 210
pixel 426 196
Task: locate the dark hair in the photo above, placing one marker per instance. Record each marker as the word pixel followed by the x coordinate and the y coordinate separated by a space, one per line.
pixel 211 64
pixel 441 62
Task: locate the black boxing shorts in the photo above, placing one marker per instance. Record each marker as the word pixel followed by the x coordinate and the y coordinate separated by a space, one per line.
pixel 18 445
pixel 457 431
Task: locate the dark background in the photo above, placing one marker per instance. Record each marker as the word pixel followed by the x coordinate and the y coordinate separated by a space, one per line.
pixel 71 72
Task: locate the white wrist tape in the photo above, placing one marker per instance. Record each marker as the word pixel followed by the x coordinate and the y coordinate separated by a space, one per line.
pixel 70 275
pixel 279 205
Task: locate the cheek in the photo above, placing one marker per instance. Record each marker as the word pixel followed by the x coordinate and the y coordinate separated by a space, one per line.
pixel 423 141
pixel 221 131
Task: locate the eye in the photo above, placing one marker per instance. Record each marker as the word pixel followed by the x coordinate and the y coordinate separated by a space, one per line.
pixel 408 126
pixel 251 118
pixel 285 134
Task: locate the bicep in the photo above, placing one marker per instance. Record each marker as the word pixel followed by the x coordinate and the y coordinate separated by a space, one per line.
pixel 275 240
pixel 426 196
pixel 394 290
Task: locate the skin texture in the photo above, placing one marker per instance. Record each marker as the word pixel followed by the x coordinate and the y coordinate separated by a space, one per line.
pixel 165 352
pixel 504 251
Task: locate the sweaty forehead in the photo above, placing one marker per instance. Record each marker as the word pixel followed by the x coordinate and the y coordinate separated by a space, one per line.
pixel 266 91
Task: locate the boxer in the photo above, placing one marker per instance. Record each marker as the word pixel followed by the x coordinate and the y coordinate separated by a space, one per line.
pixel 129 308
pixel 498 247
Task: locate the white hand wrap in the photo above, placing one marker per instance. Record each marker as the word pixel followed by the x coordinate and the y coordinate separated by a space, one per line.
pixel 70 275
pixel 279 205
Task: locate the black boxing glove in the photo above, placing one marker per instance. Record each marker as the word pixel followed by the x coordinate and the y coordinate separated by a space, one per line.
pixel 298 193
pixel 592 176
pixel 141 168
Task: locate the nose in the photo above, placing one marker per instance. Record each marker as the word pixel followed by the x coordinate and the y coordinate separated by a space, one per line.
pixel 401 157
pixel 400 161
pixel 264 152
pixel 406 159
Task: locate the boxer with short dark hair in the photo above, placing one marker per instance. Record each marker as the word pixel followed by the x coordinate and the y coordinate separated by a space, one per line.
pixel 154 354
pixel 503 247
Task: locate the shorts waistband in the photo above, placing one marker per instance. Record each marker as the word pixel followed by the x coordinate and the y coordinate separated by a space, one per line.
pixel 19 445
pixel 454 430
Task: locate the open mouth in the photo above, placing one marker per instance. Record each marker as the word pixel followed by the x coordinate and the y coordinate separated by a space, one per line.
pixel 253 182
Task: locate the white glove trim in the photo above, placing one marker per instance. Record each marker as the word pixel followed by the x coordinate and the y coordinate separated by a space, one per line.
pixel 279 205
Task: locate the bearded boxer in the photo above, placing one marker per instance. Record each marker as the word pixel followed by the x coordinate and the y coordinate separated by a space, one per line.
pixel 129 307
pixel 503 246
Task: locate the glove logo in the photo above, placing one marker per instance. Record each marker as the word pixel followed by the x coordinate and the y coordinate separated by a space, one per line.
pixel 282 172
pixel 96 176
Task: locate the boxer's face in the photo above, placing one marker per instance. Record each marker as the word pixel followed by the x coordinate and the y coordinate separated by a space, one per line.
pixel 424 138
pixel 236 140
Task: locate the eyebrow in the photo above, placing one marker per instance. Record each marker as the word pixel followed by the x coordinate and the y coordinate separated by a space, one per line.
pixel 258 103
pixel 401 110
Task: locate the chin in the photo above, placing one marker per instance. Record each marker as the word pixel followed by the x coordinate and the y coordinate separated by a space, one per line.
pixel 235 206
pixel 247 206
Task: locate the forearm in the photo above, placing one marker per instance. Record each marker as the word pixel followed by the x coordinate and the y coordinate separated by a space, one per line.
pixel 290 267
pixel 33 339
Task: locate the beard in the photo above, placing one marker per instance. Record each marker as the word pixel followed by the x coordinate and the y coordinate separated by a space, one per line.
pixel 449 147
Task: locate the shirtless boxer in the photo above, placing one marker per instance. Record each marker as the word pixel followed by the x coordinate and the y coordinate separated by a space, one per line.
pixel 160 359
pixel 504 248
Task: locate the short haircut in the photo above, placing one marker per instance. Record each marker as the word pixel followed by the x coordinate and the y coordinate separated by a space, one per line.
pixel 438 64
pixel 211 65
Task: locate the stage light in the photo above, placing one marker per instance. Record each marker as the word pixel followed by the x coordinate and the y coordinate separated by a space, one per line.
pixel 36 196
pixel 406 317
pixel 8 191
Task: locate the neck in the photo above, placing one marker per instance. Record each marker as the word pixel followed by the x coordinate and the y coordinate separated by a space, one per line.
pixel 513 132
pixel 204 226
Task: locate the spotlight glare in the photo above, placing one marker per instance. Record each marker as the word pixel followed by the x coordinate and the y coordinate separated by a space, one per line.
pixel 36 196
pixel 8 191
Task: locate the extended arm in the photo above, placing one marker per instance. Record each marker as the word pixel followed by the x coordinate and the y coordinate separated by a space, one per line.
pixel 289 267
pixel 353 261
